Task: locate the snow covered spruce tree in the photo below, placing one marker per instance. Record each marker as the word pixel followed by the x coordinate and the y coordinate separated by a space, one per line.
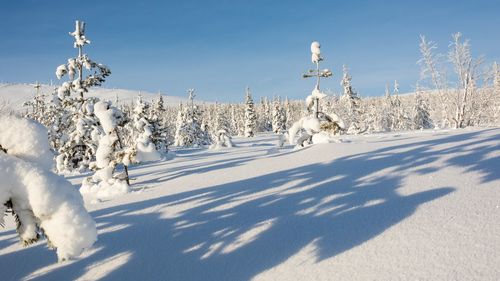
pixel 352 104
pixel 420 113
pixel 220 132
pixel 401 118
pixel 316 121
pixel 159 125
pixel 110 153
pixel 36 107
pixel 264 118
pixel 79 141
pixel 250 116
pixel 44 204
pixel 279 117
pixel 189 132
pixel 146 150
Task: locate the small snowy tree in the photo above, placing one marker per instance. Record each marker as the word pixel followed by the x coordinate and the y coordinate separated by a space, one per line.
pixel 44 204
pixel 401 118
pixel 110 153
pixel 159 127
pixel 420 113
pixel 146 150
pixel 316 121
pixel 250 116
pixel 352 104
pixel 279 117
pixel 80 140
pixel 189 132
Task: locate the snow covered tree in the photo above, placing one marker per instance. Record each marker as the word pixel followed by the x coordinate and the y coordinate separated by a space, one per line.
pixel 44 204
pixel 146 150
pixel 189 132
pixel 36 107
pixel 250 116
pixel 264 118
pixel 159 127
pixel 457 103
pixel 420 113
pixel 279 117
pixel 312 101
pixel 317 121
pixel 288 113
pixel 110 153
pixel 79 142
pixel 352 104
pixel 401 119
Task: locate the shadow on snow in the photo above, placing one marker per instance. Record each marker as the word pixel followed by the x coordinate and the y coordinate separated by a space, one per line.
pixel 237 230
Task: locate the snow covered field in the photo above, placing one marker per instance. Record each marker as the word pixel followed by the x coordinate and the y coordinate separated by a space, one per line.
pixel 409 206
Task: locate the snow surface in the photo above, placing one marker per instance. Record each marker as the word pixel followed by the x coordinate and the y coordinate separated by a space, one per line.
pixel 408 206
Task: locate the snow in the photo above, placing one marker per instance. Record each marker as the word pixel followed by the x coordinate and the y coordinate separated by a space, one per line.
pixel 102 184
pixel 25 139
pixel 39 197
pixel 17 94
pixel 409 206
pixel 316 52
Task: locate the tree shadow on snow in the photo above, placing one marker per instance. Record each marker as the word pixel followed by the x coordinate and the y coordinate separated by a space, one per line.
pixel 237 230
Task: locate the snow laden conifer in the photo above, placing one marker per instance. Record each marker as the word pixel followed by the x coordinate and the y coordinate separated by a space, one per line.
pixel 352 104
pixel 250 115
pixel 189 132
pixel 421 118
pixel 316 121
pixel 79 141
pixel 44 204
pixel 401 118
pixel 220 132
pixel 35 108
pixel 146 150
pixel 159 126
pixel 279 117
pixel 386 114
pixel 106 182
pixel 264 118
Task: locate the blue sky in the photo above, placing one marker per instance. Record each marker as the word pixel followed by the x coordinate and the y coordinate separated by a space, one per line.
pixel 220 47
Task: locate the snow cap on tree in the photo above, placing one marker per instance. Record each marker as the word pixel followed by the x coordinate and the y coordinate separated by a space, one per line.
pixel 316 52
pixel 79 34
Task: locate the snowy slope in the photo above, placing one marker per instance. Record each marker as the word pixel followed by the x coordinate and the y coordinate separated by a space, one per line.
pixel 415 206
pixel 17 94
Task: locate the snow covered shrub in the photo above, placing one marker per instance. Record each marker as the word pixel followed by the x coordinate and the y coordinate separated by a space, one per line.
pixel 44 204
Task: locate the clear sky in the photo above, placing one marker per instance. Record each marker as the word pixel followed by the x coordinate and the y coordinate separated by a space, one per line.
pixel 220 47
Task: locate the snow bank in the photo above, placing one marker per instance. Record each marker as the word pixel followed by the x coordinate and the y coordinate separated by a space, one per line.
pixel 43 201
